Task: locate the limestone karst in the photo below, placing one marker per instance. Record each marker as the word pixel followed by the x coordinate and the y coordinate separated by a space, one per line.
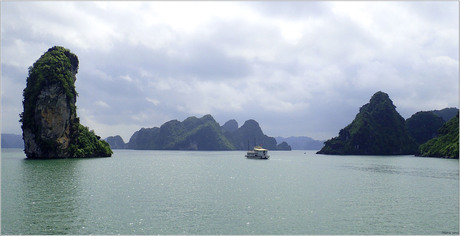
pixel 51 128
pixel 378 129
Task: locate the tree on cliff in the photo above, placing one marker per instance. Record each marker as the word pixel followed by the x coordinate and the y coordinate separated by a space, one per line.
pixel 378 129
pixel 51 128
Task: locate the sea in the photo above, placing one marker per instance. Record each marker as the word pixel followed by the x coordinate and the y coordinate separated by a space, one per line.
pixel 222 192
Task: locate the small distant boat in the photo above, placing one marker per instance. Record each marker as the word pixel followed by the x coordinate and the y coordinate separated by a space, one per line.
pixel 257 153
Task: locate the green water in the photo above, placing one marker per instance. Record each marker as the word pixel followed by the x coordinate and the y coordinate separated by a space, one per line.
pixel 179 192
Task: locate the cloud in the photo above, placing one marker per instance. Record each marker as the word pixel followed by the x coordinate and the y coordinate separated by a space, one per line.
pixel 102 104
pixel 153 101
pixel 298 68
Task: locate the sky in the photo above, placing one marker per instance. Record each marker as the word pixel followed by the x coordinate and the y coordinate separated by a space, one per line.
pixel 299 68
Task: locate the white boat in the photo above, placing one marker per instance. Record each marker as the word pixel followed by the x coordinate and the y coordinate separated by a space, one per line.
pixel 257 153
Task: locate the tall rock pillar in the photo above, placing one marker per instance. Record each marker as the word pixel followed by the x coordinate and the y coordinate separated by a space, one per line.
pixel 50 125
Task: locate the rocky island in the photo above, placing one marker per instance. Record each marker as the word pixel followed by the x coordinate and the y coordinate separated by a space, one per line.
pixel 199 134
pixel 378 129
pixel 51 128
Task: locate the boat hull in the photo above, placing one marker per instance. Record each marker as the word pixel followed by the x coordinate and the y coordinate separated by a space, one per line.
pixel 251 157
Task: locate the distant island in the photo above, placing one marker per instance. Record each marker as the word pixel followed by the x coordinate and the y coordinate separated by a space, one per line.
pixel 199 134
pixel 301 143
pixel 378 129
pixel 12 141
pixel 51 127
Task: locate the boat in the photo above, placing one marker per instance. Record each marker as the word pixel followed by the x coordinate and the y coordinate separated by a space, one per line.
pixel 257 153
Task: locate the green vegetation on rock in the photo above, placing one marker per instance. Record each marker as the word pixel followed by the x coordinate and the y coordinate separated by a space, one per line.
pixel 87 144
pixel 191 134
pixel 423 126
pixel 202 134
pixel 51 128
pixel 446 144
pixel 377 129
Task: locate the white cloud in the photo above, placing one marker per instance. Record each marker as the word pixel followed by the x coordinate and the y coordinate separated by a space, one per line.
pixel 102 104
pixel 153 101
pixel 127 78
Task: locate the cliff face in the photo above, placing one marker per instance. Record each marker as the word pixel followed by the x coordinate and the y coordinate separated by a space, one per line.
pixel 378 129
pixel 52 114
pixel 50 125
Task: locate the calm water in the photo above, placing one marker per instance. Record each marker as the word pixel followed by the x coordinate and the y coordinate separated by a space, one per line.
pixel 179 192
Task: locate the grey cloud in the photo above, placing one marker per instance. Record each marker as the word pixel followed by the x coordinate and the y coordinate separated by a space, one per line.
pixel 137 70
pixel 208 62
pixel 436 12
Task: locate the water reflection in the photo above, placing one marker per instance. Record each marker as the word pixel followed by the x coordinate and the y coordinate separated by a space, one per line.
pixel 50 194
